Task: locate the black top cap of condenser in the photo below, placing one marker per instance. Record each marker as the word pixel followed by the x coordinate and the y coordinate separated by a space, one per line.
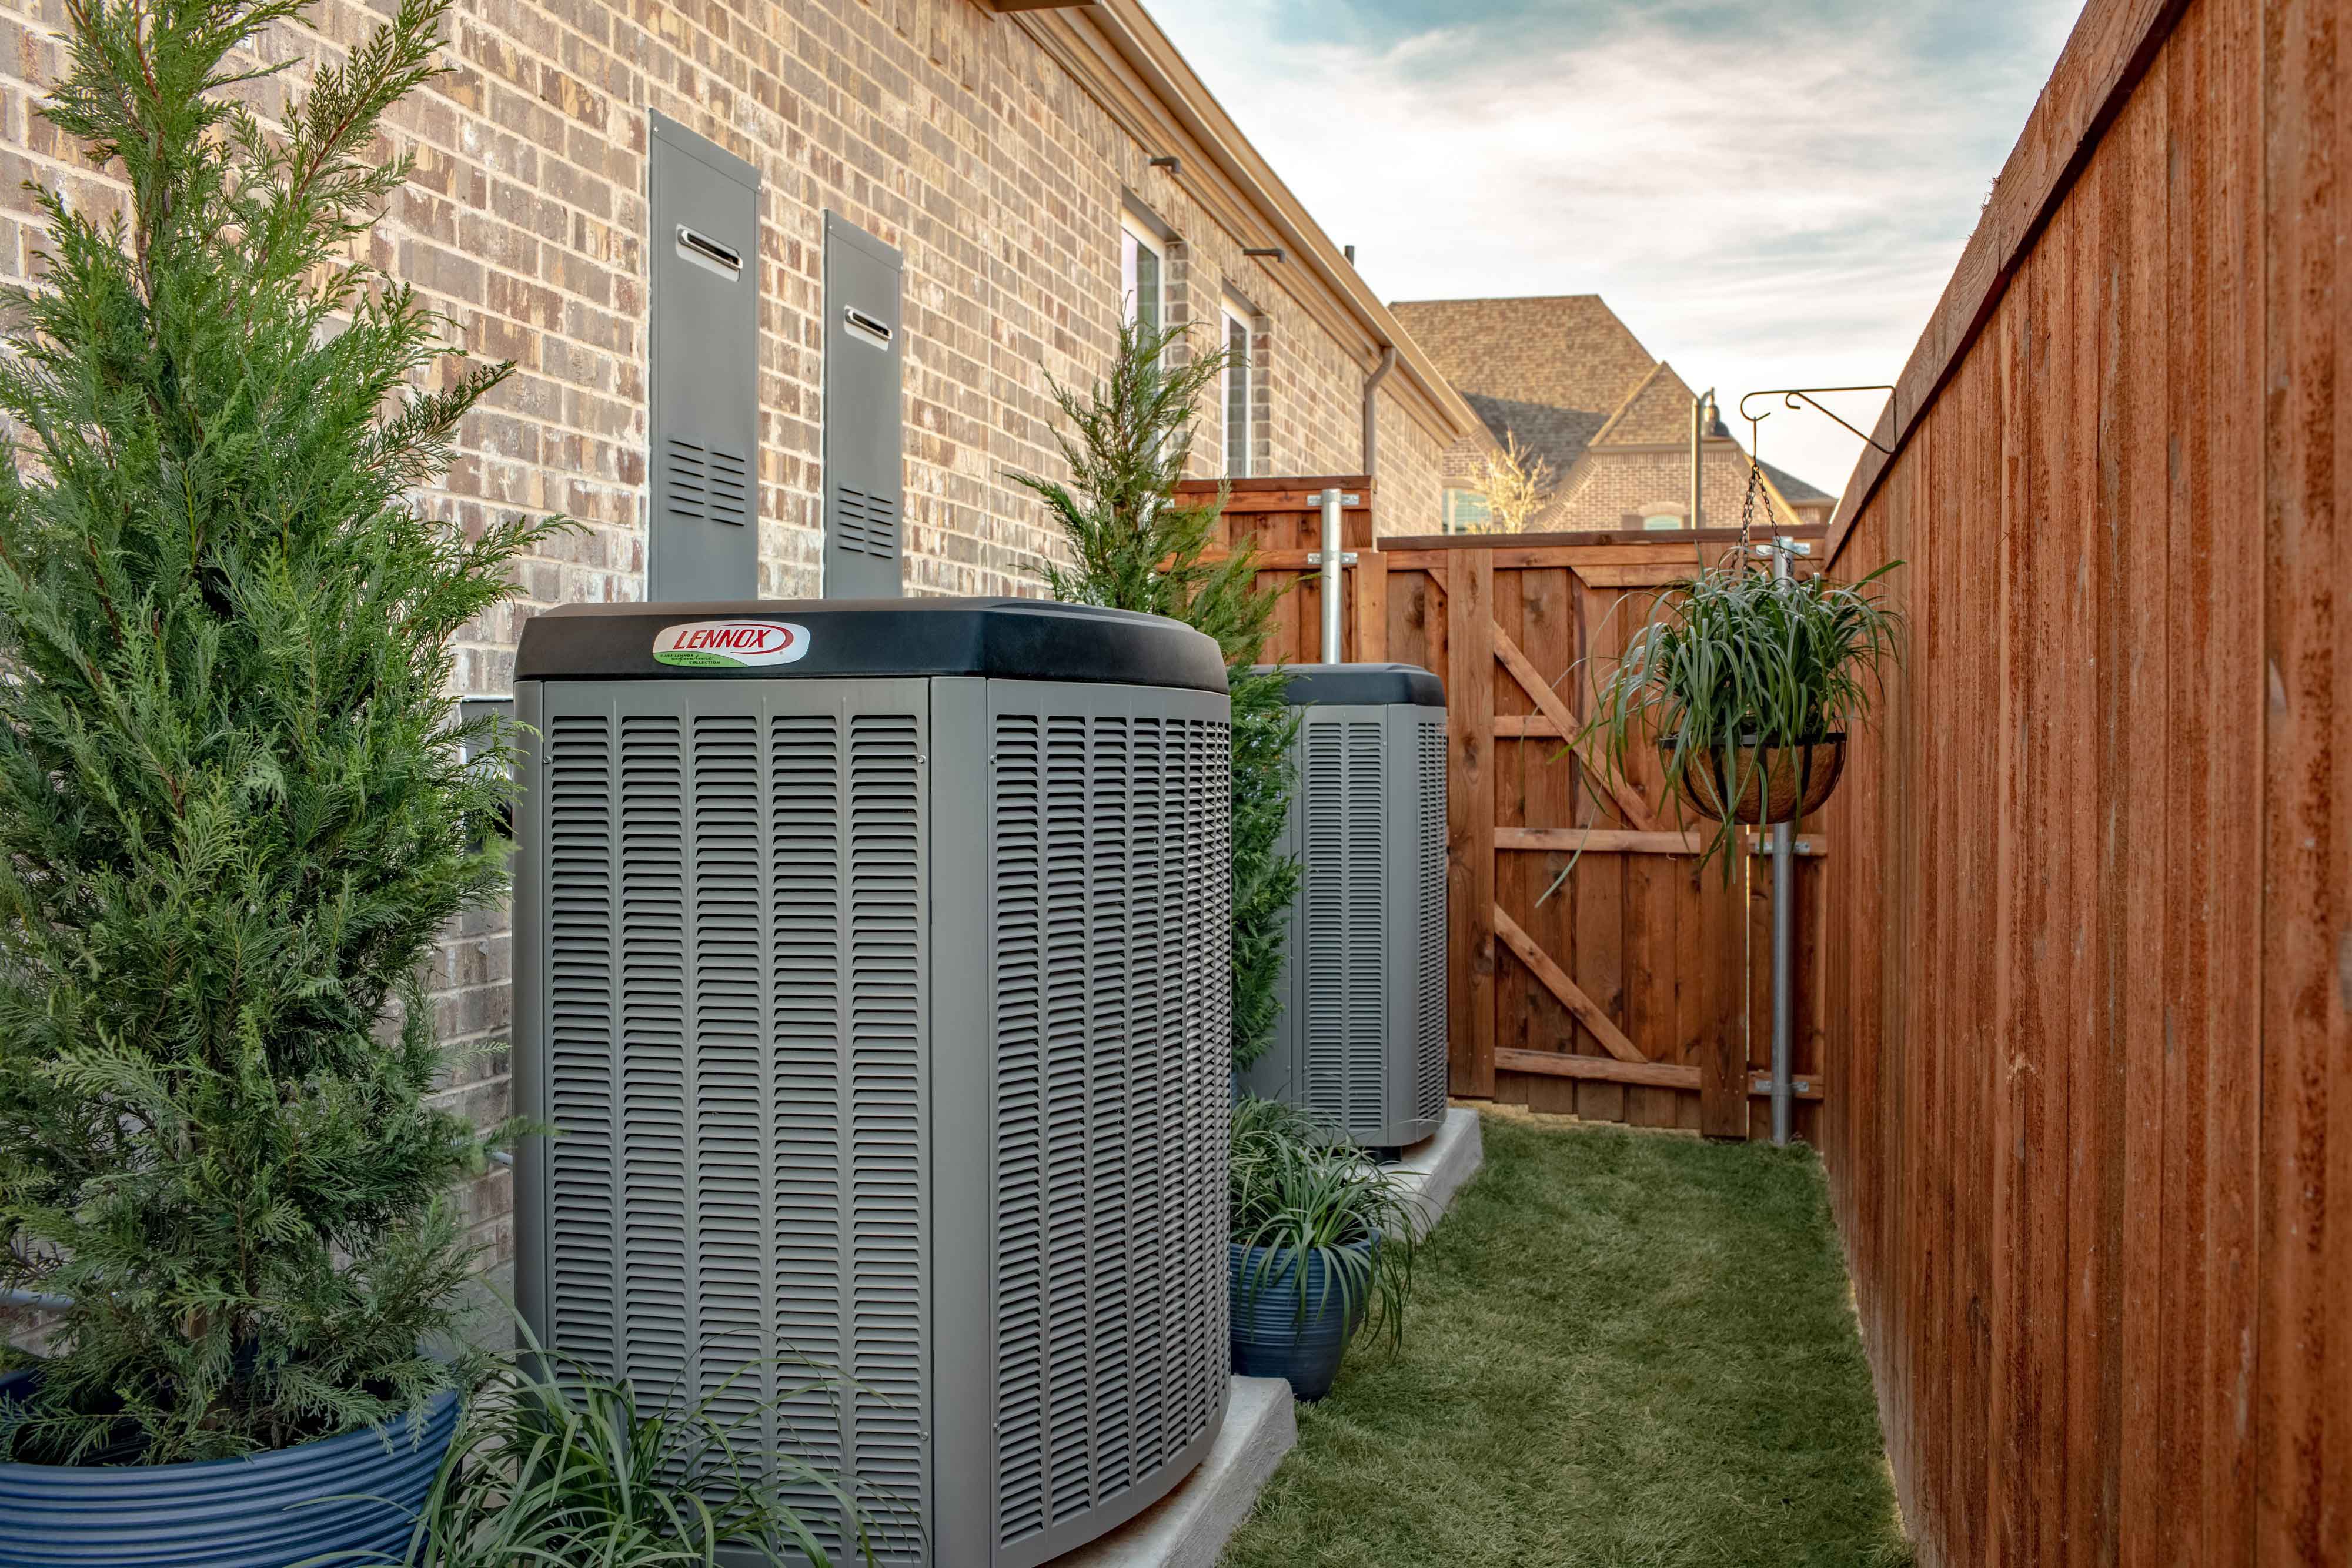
pixel 798 639
pixel 1360 686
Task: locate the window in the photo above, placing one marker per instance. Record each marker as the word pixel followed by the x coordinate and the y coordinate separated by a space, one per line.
pixel 1466 511
pixel 1657 515
pixel 1143 279
pixel 1239 372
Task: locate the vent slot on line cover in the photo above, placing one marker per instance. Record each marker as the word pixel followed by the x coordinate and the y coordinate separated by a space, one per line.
pixel 703 248
pixel 707 484
pixel 866 524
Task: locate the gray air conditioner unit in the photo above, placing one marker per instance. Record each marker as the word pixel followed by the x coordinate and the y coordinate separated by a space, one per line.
pixel 871 967
pixel 1360 1044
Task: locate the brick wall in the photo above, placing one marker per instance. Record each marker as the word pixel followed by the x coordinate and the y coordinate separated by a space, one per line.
pixel 941 127
pixel 1605 486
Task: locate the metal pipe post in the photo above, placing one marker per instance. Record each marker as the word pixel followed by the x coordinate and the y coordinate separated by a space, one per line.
pixel 1784 923
pixel 1701 407
pixel 1331 563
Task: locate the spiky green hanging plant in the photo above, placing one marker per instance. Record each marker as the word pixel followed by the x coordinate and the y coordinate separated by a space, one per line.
pixel 236 807
pixel 1127 443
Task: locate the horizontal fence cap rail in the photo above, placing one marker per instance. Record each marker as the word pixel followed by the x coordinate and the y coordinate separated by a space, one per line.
pixel 1595 537
pixel 1361 482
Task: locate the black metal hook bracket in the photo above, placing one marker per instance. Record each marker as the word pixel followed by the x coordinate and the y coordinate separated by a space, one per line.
pixel 1802 398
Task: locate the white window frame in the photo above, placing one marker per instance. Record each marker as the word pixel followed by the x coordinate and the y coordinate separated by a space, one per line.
pixel 1452 521
pixel 1239 378
pixel 1133 242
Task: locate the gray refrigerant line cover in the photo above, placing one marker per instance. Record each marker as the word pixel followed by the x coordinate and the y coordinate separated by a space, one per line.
pixel 870 966
pixel 863 457
pixel 703 530
pixel 1361 1041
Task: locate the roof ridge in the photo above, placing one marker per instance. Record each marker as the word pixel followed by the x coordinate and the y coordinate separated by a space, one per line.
pixel 1625 405
pixel 1495 299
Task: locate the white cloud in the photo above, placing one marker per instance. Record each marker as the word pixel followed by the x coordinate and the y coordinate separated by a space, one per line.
pixel 1767 206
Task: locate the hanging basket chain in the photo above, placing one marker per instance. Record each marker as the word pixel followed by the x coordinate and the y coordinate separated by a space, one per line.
pixel 1748 511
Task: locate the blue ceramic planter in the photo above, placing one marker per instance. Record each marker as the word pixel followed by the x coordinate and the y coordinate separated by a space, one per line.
pixel 263 1510
pixel 1270 1338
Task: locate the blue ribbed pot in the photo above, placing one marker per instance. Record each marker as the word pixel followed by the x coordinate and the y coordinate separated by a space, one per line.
pixel 1270 1339
pixel 257 1512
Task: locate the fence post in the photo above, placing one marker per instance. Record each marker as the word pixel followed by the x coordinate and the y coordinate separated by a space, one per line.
pixel 1470 820
pixel 1371 605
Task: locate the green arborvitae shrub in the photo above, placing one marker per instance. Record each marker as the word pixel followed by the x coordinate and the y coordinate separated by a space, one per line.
pixel 236 807
pixel 1137 548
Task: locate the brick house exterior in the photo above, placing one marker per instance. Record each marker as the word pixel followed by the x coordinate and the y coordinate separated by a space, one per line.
pixel 1001 150
pixel 1576 388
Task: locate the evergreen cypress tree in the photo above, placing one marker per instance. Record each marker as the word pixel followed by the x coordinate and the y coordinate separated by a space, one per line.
pixel 236 809
pixel 1137 548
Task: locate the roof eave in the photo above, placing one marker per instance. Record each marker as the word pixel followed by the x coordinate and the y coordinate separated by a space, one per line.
pixel 1129 33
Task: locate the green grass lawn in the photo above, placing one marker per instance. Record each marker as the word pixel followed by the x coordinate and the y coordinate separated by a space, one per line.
pixel 1624 1349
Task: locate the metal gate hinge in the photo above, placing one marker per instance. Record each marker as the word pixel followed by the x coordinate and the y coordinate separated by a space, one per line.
pixel 1315 557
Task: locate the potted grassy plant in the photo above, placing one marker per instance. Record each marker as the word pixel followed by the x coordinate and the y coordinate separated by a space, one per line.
pixel 1746 685
pixel 557 1464
pixel 1321 1246
pixel 236 809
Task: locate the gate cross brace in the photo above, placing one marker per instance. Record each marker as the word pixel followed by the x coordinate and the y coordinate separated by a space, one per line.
pixel 1630 803
pixel 1571 995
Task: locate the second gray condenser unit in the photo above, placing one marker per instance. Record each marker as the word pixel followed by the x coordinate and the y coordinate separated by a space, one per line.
pixel 872 970
pixel 1360 1044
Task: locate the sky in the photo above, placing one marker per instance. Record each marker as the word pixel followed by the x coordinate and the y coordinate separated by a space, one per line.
pixel 1768 195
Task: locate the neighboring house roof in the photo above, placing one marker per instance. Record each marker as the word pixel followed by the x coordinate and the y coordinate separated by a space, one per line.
pixel 1658 410
pixel 1571 380
pixel 1550 370
pixel 1793 488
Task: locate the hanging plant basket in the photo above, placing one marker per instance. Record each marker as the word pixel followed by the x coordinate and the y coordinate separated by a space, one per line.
pixel 1762 784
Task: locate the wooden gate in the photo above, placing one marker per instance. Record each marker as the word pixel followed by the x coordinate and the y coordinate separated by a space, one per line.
pixel 1637 989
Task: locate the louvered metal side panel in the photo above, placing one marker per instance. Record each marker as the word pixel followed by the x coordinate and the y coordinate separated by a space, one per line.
pixel 659 1288
pixel 886 1414
pixel 729 1110
pixel 738 1042
pixel 1429 853
pixel 583 1068
pixel 1110 1014
pixel 1364 913
pixel 1208 1064
pixel 1340 941
pixel 1319 936
pixel 808 963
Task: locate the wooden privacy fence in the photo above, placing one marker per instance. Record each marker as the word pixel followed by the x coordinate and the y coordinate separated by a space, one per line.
pixel 1638 991
pixel 2090 1144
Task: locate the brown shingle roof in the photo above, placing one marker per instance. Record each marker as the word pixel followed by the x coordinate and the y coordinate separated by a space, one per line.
pixel 1551 370
pixel 1658 411
pixel 1793 488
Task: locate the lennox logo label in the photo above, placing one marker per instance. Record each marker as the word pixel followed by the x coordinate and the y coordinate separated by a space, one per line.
pixel 709 643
